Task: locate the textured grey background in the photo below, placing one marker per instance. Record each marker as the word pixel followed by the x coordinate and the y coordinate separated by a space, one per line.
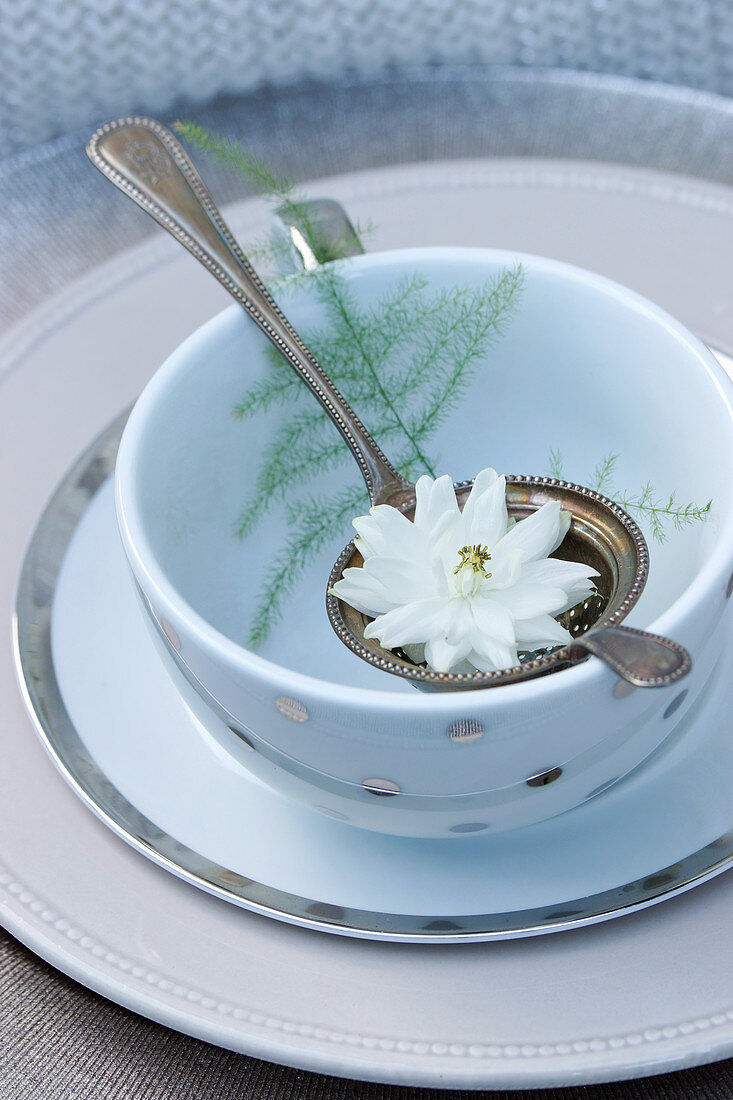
pixel 60 217
pixel 57 1040
pixel 65 62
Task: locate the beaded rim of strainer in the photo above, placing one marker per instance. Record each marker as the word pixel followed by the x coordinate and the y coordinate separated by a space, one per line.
pixel 551 661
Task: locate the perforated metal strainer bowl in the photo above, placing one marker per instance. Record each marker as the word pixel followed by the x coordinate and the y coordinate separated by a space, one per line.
pixel 601 535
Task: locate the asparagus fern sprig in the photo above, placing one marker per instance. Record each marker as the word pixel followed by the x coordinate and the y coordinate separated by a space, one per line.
pixel 403 362
pixel 657 511
pixel 277 188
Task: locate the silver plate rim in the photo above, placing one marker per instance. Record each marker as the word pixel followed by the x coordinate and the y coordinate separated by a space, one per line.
pixel 53 724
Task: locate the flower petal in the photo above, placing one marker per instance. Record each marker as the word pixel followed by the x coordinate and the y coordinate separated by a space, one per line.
pixel 493 621
pixel 360 591
pixel 537 535
pixel 485 514
pixel 459 622
pixel 409 624
pixel 505 568
pixel 541 631
pixel 493 656
pixel 525 600
pixel 484 480
pixel 442 656
pixel 434 497
pixel 386 531
pixel 402 580
pixel 443 534
pixel 570 575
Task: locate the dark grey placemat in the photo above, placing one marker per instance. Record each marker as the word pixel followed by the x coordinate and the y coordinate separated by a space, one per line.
pixel 59 219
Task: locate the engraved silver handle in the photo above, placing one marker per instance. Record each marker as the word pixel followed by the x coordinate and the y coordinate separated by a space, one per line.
pixel 641 658
pixel 146 161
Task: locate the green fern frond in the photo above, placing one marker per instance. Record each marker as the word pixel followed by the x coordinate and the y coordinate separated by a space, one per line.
pixel 279 388
pixel 313 523
pixel 263 178
pixel 555 464
pixel 660 512
pixel 304 446
pixel 603 474
pixel 231 155
pixel 403 362
pixel 465 335
pixel 657 512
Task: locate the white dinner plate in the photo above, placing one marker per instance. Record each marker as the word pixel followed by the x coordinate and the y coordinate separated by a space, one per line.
pixel 647 993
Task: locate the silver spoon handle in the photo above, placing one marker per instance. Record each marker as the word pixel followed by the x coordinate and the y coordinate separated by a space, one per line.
pixel 641 658
pixel 145 161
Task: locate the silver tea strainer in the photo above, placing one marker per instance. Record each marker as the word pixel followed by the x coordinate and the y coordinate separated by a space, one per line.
pixel 602 536
pixel 148 164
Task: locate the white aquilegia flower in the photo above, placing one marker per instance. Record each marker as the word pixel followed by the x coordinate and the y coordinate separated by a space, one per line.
pixel 464 590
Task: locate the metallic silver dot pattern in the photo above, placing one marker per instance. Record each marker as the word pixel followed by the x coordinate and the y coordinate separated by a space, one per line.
pixel 465 730
pixel 291 708
pixel 383 787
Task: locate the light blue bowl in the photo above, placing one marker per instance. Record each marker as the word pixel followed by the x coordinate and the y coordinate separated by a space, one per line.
pixel 585 366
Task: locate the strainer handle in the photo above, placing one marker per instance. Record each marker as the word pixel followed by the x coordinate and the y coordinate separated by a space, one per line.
pixel 149 165
pixel 642 659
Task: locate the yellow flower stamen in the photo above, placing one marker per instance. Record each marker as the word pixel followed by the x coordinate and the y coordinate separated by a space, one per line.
pixel 474 557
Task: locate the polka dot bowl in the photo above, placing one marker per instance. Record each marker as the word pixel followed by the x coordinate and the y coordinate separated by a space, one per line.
pixel 586 366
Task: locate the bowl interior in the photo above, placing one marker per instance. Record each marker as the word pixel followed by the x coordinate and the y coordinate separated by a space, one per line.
pixel 584 367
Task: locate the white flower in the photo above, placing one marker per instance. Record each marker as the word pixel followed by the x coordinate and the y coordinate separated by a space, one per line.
pixel 464 590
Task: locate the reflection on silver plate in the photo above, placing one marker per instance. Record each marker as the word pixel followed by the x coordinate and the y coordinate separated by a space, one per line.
pixel 63 743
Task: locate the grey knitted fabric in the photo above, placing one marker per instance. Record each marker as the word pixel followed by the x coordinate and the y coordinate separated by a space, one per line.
pixel 65 63
pixel 60 217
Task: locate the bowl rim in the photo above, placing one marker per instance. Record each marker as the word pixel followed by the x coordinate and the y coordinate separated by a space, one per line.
pixel 145 564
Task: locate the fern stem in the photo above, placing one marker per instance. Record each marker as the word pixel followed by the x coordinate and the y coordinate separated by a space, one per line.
pixel 356 335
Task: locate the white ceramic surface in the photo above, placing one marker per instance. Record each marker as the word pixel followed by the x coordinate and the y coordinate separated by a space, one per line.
pixel 151 748
pixel 505 1015
pixel 583 362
